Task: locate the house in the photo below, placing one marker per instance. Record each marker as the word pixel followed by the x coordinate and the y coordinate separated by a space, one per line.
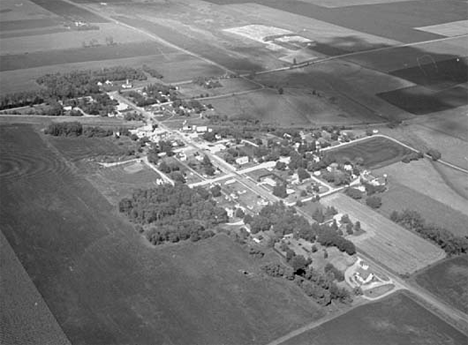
pixel 127 85
pixel 363 276
pixel 242 160
pixel 201 129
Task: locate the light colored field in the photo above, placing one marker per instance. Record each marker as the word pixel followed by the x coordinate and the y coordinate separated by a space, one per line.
pixel 258 32
pixel 422 177
pixel 399 198
pixel 447 29
pixel 22 10
pixel 69 39
pixel 313 29
pixel 395 247
pixel 348 3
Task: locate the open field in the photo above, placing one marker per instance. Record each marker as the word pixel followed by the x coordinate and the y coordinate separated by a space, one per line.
pixel 10 11
pixel 56 57
pixel 448 29
pixel 375 151
pixel 399 198
pixel 26 319
pixel 70 39
pixel 417 174
pixel 69 11
pixel 296 108
pixel 396 319
pixel 391 245
pixel 106 285
pixel 449 281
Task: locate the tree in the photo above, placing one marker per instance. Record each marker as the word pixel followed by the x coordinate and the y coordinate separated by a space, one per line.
pixel 299 264
pixel 280 91
pixel 240 213
pixel 302 174
pixel 374 201
pixel 435 155
pixel 353 193
pixel 280 191
pixel 216 191
pixel 318 215
pixel 357 226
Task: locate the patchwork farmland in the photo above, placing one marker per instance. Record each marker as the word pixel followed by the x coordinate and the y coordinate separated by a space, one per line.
pixel 391 245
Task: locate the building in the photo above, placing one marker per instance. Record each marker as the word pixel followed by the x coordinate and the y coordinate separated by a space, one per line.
pixel 242 160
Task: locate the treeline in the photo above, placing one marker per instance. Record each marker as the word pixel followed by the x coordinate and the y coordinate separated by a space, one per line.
pixel 76 129
pixel 69 85
pixel 174 213
pixel 152 72
pixel 321 287
pixel 450 243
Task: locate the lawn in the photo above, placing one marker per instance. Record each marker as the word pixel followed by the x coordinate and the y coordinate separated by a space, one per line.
pixel 399 198
pixel 106 285
pixel 449 281
pixel 397 319
pixel 391 245
pixel 376 152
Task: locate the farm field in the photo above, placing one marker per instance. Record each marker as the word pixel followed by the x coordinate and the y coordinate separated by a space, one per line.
pixel 391 245
pixel 294 108
pixel 106 285
pixel 70 39
pixel 399 198
pixel 56 57
pixel 449 281
pixel 176 67
pixel 27 11
pixel 376 152
pixel 396 319
pixel 26 319
pixel 416 175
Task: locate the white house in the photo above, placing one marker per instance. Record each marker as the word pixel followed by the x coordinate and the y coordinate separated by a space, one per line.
pixel 242 160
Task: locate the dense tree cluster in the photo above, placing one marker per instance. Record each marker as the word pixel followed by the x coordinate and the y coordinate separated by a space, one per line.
pixel 152 72
pixel 153 93
pixel 374 201
pixel 412 220
pixel 207 82
pixel 174 213
pixel 65 129
pixel 434 154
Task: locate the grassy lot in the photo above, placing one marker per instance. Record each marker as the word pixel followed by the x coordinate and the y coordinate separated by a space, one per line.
pixel 393 246
pixel 120 181
pixel 26 319
pixel 399 197
pixel 449 281
pixel 106 285
pixel 70 11
pixel 396 319
pixel 28 11
pixel 375 151
pixel 422 176
pixel 228 86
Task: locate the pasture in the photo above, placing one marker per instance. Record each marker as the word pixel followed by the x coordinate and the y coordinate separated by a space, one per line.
pixel 399 198
pixel 69 11
pixel 396 319
pixel 448 280
pixel 376 152
pixel 391 245
pixel 106 285
pixel 27 10
pixel 416 176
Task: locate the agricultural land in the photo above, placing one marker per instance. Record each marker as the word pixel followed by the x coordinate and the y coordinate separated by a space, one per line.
pixel 233 172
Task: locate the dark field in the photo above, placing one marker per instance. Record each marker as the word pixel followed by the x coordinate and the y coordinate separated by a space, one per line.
pixel 106 285
pixel 375 151
pixel 420 100
pixel 39 23
pixel 67 10
pixel 449 281
pixel 392 20
pixel 26 319
pixel 436 75
pixel 33 32
pixel 396 319
pixel 55 57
